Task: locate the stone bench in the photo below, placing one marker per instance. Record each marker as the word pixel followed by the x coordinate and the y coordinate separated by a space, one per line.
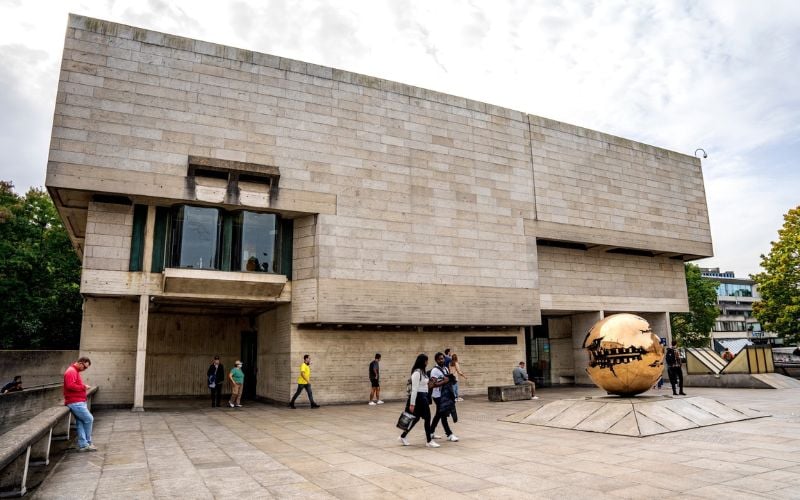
pixel 28 445
pixel 509 392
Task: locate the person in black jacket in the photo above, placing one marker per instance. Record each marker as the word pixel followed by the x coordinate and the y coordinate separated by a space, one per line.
pixel 443 397
pixel 216 378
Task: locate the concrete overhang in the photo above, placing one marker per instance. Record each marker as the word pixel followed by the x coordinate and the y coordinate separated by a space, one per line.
pixel 197 283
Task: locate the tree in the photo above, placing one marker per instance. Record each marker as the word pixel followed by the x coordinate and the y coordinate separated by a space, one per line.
pixel 779 283
pixel 39 274
pixel 693 329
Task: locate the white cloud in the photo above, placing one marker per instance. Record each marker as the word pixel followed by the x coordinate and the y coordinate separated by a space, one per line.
pixel 717 74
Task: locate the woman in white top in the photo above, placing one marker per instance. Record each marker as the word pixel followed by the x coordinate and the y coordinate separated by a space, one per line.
pixel 418 402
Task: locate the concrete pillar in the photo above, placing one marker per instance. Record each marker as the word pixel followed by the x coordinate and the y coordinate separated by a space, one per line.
pixel 141 353
pixel 144 309
pixel 581 323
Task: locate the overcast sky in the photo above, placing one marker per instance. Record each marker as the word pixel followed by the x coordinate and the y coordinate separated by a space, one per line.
pixel 718 75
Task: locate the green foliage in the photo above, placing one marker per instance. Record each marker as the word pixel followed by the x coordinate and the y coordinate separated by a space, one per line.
pixel 779 283
pixel 39 274
pixel 693 329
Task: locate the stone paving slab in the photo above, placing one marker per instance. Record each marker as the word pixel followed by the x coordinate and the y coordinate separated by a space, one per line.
pixel 639 416
pixel 352 452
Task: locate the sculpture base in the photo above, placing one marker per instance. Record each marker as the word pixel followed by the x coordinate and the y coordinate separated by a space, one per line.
pixel 638 416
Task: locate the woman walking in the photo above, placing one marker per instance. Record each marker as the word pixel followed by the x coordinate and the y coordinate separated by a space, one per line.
pixel 418 403
pixel 456 369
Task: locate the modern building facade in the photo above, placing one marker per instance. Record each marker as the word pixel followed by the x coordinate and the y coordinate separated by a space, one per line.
pixel 735 299
pixel 236 203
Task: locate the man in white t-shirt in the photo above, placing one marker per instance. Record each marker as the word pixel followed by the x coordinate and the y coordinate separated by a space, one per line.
pixel 440 375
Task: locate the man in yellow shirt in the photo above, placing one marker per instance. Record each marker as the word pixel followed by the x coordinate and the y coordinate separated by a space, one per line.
pixel 304 382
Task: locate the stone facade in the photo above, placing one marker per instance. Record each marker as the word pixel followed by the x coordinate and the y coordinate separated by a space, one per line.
pixel 418 218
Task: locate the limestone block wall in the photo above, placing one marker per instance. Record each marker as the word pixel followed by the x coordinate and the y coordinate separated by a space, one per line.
pixel 180 348
pixel 340 359
pixel 595 280
pixel 602 189
pixel 108 338
pixel 108 237
pixel 425 190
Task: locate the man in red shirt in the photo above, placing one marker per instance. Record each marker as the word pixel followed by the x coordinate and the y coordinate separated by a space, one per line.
pixel 75 400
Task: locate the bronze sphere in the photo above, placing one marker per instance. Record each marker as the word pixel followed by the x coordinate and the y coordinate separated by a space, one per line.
pixel 625 356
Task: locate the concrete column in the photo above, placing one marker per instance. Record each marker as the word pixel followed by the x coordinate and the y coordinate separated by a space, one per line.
pixel 149 228
pixel 141 353
pixel 581 323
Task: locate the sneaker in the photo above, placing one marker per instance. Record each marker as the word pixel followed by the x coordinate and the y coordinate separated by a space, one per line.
pixel 372 403
pixel 314 406
pixel 459 399
pixel 404 441
pixel 238 406
pixel 230 404
pixel 682 393
pixel 435 436
pixel 432 444
pixel 88 447
pixel 535 397
pixel 292 406
pixel 379 402
pixel 452 437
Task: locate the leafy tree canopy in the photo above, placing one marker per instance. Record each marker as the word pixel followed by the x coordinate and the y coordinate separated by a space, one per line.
pixel 779 283
pixel 39 274
pixel 693 329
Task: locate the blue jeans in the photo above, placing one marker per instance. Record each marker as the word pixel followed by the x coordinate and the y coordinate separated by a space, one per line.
pixel 83 423
pixel 455 389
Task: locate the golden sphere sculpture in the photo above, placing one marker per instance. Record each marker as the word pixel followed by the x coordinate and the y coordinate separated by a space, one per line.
pixel 625 356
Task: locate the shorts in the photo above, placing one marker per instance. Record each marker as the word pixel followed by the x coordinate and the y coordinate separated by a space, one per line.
pixel 375 382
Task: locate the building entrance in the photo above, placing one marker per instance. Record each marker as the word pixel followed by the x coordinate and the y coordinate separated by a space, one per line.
pixel 537 350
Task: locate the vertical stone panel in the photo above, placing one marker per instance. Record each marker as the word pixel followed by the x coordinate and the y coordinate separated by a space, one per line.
pixel 108 338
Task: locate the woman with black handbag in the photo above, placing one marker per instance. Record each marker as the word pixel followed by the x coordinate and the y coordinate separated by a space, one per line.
pixel 418 402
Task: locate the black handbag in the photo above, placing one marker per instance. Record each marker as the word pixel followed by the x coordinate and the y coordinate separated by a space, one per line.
pixel 405 420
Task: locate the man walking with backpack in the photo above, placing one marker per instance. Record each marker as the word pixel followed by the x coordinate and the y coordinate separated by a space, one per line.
pixel 674 371
pixel 443 397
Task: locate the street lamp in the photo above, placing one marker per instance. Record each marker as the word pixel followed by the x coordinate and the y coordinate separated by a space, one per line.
pixel 705 155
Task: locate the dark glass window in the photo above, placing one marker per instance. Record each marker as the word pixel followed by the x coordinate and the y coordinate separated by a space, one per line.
pixel 195 238
pixel 210 238
pixel 259 235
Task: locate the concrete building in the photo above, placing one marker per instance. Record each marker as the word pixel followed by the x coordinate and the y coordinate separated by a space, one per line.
pixel 236 203
pixel 735 325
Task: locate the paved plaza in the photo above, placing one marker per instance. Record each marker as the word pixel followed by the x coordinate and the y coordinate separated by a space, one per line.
pixel 185 450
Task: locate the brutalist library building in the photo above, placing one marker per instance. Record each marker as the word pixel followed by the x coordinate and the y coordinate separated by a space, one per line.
pixel 230 202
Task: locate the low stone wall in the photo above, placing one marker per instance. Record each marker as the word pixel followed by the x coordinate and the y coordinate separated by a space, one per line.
pixel 36 367
pixel 19 407
pixel 729 380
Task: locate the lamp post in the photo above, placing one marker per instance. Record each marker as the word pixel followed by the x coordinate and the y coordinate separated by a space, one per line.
pixel 705 155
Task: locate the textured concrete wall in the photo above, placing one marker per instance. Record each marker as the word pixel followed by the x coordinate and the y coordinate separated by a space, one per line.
pixel 108 338
pixel 108 237
pixel 35 367
pixel 19 407
pixel 562 362
pixel 180 348
pixel 274 351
